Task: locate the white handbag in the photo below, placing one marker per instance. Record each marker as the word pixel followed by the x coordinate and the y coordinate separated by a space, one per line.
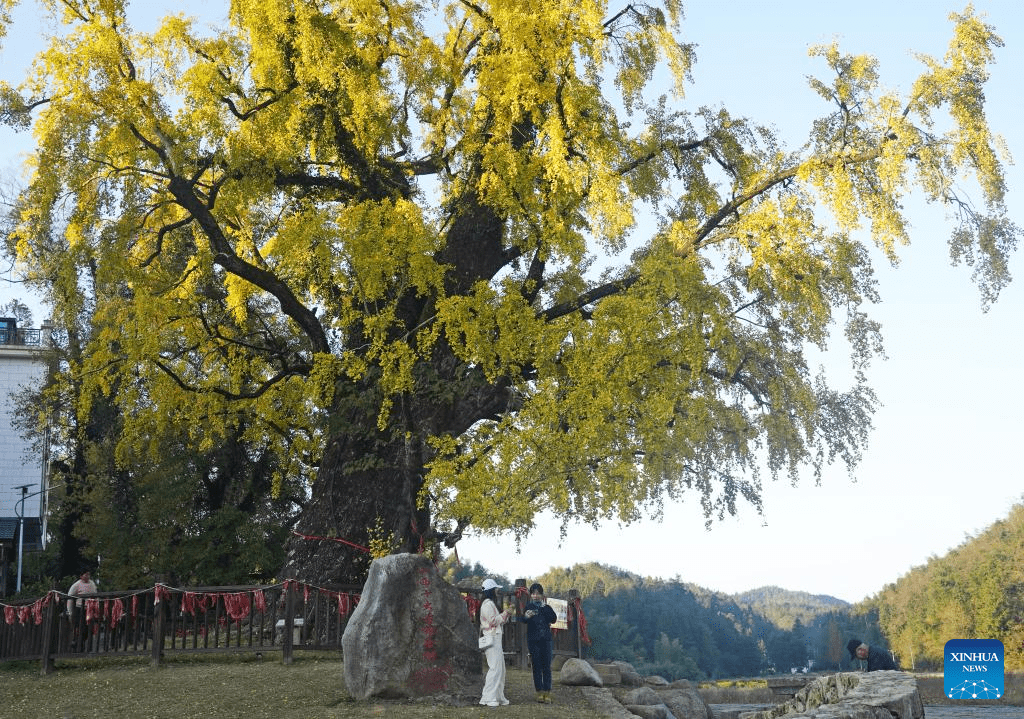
pixel 485 641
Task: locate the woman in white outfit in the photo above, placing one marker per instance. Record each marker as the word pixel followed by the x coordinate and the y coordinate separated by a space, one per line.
pixel 490 624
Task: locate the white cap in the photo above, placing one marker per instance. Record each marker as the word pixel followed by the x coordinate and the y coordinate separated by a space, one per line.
pixel 490 584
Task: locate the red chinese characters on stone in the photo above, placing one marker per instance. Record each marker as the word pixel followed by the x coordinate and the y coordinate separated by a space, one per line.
pixel 432 677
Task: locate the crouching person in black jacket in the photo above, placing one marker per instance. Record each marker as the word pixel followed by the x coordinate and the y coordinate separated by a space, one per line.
pixel 872 659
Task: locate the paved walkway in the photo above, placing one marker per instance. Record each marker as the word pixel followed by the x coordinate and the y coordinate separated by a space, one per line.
pixel 966 711
pixel 931 711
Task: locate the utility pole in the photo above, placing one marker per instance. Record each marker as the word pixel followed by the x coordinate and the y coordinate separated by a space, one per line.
pixel 21 528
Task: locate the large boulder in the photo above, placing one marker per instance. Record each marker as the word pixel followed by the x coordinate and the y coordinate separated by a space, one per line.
pixel 605 704
pixel 643 696
pixel 628 675
pixel 609 674
pixel 650 711
pixel 872 695
pixel 411 634
pixel 578 673
pixel 685 702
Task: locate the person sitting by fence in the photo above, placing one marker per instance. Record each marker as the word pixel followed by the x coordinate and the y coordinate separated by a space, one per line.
pixel 84 585
pixel 76 607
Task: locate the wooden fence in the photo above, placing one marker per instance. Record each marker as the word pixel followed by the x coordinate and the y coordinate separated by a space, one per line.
pixel 162 620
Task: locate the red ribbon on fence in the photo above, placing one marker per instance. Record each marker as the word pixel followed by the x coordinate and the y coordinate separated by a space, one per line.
pixel 27 613
pixel 582 621
pixel 190 601
pixel 346 602
pixel 39 606
pixel 237 605
pixel 92 609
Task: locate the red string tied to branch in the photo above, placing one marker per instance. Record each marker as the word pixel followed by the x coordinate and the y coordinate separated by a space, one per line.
pixel 310 537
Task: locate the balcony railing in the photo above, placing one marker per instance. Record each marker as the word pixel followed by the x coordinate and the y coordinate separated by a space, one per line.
pixel 24 337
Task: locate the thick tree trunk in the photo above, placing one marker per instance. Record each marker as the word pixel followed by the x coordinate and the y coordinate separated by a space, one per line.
pixel 366 487
pixel 369 481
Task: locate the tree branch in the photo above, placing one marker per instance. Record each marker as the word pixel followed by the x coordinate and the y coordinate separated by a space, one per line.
pixel 606 290
pixel 261 389
pixel 225 256
pixel 661 148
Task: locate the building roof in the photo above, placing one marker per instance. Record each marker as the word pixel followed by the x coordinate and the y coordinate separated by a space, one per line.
pixel 9 531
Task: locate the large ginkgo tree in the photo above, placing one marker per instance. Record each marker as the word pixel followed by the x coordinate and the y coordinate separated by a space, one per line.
pixel 476 261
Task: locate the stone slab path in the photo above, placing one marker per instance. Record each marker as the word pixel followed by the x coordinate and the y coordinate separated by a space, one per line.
pixel 931 711
pixel 952 711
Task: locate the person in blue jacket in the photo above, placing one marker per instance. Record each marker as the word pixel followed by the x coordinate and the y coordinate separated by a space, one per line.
pixel 539 617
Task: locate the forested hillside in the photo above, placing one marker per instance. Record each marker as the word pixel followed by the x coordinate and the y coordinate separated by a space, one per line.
pixel 974 591
pixel 784 607
pixel 681 630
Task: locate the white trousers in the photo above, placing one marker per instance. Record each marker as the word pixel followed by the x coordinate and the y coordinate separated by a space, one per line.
pixel 494 682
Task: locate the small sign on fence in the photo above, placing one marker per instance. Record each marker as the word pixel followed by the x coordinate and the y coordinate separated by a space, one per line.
pixel 561 608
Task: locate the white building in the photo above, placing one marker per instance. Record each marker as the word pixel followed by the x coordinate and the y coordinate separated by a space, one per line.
pixel 23 471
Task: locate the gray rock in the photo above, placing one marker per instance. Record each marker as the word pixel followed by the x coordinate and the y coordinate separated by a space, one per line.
pixel 874 695
pixel 604 703
pixel 628 675
pixel 656 681
pixel 609 673
pixel 643 695
pixel 650 711
pixel 578 673
pixel 410 635
pixel 685 702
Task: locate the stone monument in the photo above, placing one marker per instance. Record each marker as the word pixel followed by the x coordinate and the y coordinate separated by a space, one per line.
pixel 411 634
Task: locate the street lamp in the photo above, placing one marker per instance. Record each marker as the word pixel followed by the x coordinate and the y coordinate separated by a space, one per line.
pixel 21 528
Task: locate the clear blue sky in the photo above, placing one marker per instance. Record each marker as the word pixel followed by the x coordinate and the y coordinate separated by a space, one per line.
pixel 943 460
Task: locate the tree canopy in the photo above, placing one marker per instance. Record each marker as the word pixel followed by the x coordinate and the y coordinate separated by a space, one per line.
pixel 467 262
